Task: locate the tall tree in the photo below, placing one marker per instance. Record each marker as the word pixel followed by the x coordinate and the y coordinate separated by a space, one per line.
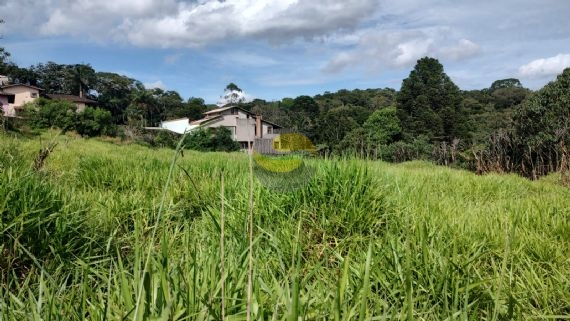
pixel 114 93
pixel 79 79
pixel 232 95
pixel 51 77
pixel 505 83
pixel 542 129
pixel 429 103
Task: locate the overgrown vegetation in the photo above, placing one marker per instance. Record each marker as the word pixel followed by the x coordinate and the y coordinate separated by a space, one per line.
pixel 363 240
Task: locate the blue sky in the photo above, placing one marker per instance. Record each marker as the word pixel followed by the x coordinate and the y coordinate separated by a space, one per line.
pixel 286 48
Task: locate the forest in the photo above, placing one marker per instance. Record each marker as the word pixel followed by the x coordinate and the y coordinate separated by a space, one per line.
pixel 503 128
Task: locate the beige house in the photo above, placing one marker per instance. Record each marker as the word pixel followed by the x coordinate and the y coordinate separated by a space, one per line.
pixel 14 96
pixel 245 126
pixel 79 101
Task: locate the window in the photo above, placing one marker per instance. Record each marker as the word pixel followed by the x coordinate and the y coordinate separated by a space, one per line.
pixel 269 129
pixel 34 95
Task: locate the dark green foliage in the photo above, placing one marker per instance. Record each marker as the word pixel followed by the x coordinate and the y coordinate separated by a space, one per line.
pixel 541 126
pixel 334 124
pixel 211 139
pixel 175 108
pixel 166 139
pixel 114 93
pixel 508 97
pixel 371 140
pixel 505 83
pixel 44 113
pixel 305 104
pixel 95 122
pixel 429 103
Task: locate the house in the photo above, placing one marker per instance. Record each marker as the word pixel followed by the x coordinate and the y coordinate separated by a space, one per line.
pixel 79 101
pixel 14 96
pixel 244 125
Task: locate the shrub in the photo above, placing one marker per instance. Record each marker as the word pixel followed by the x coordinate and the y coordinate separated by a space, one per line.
pixel 95 122
pixel 211 139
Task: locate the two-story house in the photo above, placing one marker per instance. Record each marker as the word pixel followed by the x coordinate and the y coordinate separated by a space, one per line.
pixel 245 126
pixel 14 96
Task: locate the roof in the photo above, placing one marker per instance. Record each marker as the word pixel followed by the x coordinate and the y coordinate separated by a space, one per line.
pixel 73 98
pixel 270 123
pixel 204 120
pixel 217 110
pixel 23 85
pixel 176 119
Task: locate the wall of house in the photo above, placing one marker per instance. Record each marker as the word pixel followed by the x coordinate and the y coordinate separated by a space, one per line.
pixel 22 94
pixel 7 110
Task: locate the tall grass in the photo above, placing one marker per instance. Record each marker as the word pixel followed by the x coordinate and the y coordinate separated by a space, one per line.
pixel 361 241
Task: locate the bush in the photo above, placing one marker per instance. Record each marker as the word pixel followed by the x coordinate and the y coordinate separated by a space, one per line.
pixel 211 139
pixel 95 122
pixel 45 113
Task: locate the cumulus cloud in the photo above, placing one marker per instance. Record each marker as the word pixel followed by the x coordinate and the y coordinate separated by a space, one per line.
pixel 377 49
pixel 463 49
pixel 545 67
pixel 180 23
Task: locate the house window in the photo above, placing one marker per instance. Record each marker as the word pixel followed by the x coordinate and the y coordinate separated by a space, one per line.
pixel 34 95
pixel 269 130
pixel 234 111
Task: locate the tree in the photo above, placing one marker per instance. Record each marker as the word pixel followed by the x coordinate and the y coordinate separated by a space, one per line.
pixel 383 126
pixel 114 93
pixel 51 77
pixel 333 125
pixel 505 83
pixel 305 104
pixel 541 127
pixel 79 79
pixel 429 103
pixel 232 95
pixel 144 107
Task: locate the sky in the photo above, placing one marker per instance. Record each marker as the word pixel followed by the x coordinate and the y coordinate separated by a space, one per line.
pixel 286 48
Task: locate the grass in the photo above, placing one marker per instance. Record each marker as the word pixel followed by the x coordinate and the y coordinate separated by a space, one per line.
pixel 361 241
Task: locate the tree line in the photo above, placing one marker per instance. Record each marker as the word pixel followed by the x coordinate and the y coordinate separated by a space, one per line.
pixel 505 127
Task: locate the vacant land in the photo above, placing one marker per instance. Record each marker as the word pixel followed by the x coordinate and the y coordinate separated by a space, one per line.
pixel 101 231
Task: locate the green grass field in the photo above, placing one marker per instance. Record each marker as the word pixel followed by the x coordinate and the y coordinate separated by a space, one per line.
pixel 119 232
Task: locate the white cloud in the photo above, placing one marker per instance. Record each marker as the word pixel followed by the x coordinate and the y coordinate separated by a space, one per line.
pixel 545 67
pixel 464 49
pixel 180 23
pixel 377 48
pixel 157 84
